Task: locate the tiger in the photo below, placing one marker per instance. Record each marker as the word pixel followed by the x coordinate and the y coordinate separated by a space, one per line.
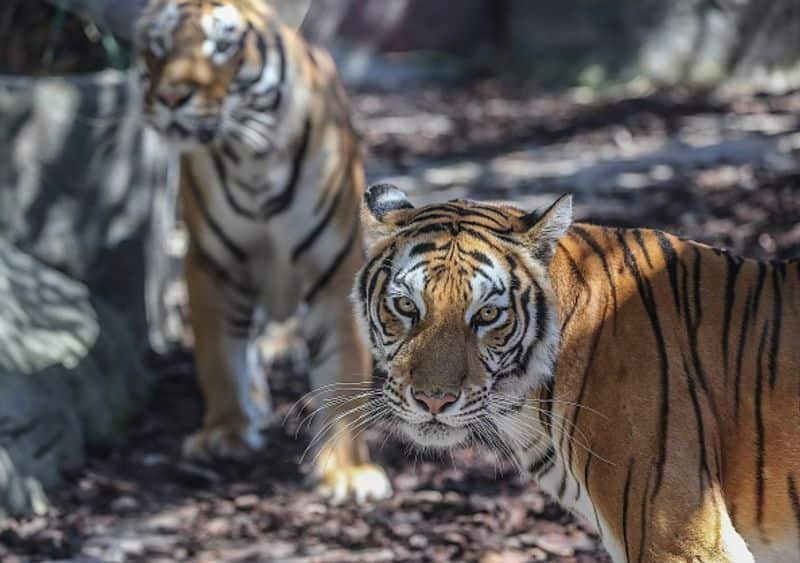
pixel 650 384
pixel 270 181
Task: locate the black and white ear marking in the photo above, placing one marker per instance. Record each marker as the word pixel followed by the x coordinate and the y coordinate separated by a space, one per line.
pixel 383 212
pixel 543 230
pixel 384 198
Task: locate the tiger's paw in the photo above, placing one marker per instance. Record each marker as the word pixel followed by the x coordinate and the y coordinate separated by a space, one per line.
pixel 219 442
pixel 362 483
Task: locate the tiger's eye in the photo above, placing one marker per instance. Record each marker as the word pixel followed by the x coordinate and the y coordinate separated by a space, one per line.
pixel 405 306
pixel 488 314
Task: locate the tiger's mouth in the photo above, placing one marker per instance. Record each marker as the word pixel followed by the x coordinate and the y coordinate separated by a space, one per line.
pixel 435 434
pixel 185 131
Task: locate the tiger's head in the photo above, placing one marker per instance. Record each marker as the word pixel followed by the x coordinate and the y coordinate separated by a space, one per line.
pixel 209 66
pixel 457 304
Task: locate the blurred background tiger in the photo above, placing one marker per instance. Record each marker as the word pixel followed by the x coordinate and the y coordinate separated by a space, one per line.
pixel 270 184
pixel 649 383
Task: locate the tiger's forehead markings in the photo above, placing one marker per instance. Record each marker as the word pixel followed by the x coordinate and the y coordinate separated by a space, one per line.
pixel 455 265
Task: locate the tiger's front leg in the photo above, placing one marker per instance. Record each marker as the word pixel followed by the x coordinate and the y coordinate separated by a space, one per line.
pixel 230 378
pixel 341 369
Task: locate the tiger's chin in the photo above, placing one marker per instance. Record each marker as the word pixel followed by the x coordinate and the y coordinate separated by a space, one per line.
pixel 181 139
pixel 435 435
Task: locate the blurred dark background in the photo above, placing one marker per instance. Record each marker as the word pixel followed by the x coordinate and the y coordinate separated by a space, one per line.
pixel 676 114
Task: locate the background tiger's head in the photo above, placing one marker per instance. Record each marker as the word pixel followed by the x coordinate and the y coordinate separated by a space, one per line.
pixel 208 67
pixel 457 304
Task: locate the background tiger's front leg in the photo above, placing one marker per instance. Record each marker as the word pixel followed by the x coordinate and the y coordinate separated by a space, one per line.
pixel 233 387
pixel 342 370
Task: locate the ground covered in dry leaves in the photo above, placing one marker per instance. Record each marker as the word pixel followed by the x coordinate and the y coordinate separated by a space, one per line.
pixel 724 169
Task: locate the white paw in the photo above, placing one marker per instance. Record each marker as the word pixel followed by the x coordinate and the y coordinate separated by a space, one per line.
pixel 362 483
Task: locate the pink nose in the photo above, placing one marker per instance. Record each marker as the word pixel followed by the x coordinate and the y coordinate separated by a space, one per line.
pixel 174 98
pixel 436 401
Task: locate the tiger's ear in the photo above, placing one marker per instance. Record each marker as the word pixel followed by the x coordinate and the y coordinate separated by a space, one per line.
pixel 384 211
pixel 542 231
pixel 291 12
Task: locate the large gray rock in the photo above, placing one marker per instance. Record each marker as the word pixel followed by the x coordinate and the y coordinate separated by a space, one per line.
pixel 70 374
pixel 86 189
pixel 85 206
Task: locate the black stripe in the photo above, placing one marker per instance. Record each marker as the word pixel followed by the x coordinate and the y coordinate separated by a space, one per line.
pixel 625 502
pixel 762 274
pixel 589 457
pixel 585 288
pixel 548 390
pixel 596 248
pixel 222 177
pixel 694 319
pixel 698 414
pixel 239 254
pixel 672 260
pixel 497 231
pixel 732 268
pixel 643 518
pixel 524 354
pixel 795 499
pixel 421 248
pixel 740 351
pixel 760 430
pixel 488 242
pixel 777 315
pixel 252 190
pixel 646 294
pixel 218 271
pixel 546 460
pixel 311 237
pixel 344 172
pixel 480 257
pixel 328 274
pixel 473 211
pixel 579 400
pixel 240 326
pixel 280 202
pixel 261 47
pixel 541 314
pixel 229 152
pixel 637 233
pixel 281 72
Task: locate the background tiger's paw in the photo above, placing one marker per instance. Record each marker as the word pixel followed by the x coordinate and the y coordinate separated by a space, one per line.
pixel 222 443
pixel 362 483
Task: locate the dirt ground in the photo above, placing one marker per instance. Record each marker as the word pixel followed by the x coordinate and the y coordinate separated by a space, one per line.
pixel 724 169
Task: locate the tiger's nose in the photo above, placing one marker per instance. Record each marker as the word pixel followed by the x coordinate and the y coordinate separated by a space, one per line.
pixel 435 401
pixel 174 98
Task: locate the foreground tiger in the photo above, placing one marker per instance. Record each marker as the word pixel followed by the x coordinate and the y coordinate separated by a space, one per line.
pixel 270 186
pixel 650 384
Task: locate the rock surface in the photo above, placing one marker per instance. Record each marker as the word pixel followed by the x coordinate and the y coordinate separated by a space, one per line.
pixel 79 182
pixel 70 374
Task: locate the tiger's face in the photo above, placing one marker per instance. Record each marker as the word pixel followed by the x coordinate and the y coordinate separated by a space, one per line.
pixel 457 304
pixel 202 64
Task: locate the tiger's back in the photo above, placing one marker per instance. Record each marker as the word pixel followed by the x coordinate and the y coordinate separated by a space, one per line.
pixel 702 346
